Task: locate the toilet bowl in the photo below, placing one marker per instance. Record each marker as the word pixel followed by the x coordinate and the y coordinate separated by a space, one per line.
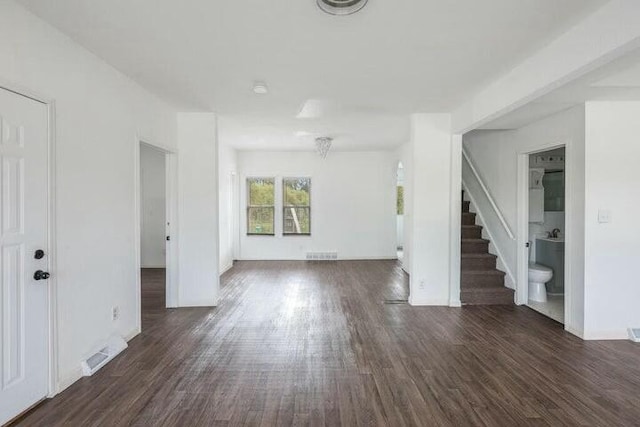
pixel 538 276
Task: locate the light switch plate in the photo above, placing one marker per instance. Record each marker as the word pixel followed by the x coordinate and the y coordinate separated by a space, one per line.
pixel 604 216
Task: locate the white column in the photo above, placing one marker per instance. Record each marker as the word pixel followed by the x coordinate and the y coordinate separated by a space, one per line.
pixel 431 209
pixel 198 243
pixel 456 218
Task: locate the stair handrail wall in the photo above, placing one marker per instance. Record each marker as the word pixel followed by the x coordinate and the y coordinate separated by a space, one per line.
pixel 502 238
pixel 495 207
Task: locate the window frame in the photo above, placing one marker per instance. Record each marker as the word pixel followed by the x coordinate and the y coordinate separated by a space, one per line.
pixel 285 206
pixel 250 206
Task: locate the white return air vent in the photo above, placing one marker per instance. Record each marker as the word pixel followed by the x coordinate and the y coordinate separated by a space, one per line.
pixel 634 334
pixel 322 256
pixel 114 346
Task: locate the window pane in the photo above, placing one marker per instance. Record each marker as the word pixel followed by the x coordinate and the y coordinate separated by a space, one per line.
pixel 297 191
pixel 260 220
pixel 297 220
pixel 261 191
pixel 400 200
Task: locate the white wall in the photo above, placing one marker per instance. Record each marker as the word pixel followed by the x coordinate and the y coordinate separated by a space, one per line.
pixel 430 177
pixel 612 288
pixel 352 204
pixel 198 210
pixel 99 112
pixel 495 154
pixel 228 199
pixel 153 208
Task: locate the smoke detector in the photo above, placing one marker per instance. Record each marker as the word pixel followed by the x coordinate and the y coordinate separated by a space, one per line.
pixel 341 7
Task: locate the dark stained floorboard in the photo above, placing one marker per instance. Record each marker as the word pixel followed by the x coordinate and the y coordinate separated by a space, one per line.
pixel 297 343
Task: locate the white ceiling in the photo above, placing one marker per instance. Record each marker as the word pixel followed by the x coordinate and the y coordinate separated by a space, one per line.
pixel 393 58
pixel 618 80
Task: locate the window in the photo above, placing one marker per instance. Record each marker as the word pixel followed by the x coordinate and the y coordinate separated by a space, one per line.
pixel 260 206
pixel 296 195
pixel 400 200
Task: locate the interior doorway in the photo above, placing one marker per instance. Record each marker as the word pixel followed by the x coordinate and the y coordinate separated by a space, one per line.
pixel 153 228
pixel 400 211
pixel 156 243
pixel 544 205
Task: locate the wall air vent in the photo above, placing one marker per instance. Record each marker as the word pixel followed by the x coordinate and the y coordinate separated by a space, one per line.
pixel 341 7
pixel 91 364
pixel 322 256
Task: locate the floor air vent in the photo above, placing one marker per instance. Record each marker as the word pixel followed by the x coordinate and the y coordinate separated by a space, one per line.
pixel 634 334
pixel 322 256
pixel 396 301
pixel 103 356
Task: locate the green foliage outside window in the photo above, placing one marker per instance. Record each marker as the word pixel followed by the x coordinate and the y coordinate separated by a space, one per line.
pixel 260 211
pixel 297 205
pixel 400 200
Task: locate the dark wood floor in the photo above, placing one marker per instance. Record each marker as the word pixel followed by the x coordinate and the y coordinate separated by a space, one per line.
pixel 312 344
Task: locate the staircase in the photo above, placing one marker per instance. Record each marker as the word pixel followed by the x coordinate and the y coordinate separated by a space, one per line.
pixel 481 283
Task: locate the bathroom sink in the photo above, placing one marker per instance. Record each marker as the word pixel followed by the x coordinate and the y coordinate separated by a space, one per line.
pixel 552 239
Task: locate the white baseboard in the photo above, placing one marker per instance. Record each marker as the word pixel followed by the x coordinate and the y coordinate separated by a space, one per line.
pixel 359 258
pixel 574 331
pixel 416 302
pixel 605 335
pixel 68 378
pixel 455 303
pixel 198 303
pixel 132 334
pixel 226 268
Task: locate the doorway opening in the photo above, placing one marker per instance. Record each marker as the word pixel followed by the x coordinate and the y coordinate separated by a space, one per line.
pixel 156 246
pixel 546 233
pixel 400 211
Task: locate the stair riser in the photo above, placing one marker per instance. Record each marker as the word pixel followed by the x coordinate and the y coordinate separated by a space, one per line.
pixel 478 263
pixel 500 297
pixel 472 233
pixel 468 219
pixel 465 206
pixel 480 280
pixel 475 247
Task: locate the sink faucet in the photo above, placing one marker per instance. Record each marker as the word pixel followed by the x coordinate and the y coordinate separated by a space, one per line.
pixel 555 233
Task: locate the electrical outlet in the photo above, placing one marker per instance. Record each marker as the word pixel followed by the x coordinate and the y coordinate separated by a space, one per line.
pixel 115 313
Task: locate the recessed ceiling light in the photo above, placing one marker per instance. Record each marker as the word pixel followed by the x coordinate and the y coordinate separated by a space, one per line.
pixel 341 7
pixel 260 88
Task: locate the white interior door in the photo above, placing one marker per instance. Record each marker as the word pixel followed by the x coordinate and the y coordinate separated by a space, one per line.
pixel 24 354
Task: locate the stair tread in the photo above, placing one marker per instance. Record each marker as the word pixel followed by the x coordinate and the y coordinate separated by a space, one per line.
pixel 478 255
pixel 475 240
pixel 484 272
pixel 471 226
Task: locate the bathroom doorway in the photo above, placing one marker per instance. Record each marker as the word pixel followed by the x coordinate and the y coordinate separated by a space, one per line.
pixel 546 232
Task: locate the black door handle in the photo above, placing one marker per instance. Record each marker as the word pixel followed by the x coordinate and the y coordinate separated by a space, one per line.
pixel 41 275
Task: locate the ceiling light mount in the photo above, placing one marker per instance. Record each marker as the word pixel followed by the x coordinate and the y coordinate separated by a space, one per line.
pixel 260 88
pixel 341 7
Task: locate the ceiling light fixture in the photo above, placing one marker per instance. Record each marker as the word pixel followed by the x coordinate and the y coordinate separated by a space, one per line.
pixel 341 7
pixel 323 144
pixel 260 88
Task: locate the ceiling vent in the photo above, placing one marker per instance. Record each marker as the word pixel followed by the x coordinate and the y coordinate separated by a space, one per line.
pixel 341 7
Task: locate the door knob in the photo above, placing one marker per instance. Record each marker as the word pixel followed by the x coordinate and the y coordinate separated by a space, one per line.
pixel 41 275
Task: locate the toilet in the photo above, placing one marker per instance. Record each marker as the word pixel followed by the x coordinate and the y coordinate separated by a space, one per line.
pixel 538 276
